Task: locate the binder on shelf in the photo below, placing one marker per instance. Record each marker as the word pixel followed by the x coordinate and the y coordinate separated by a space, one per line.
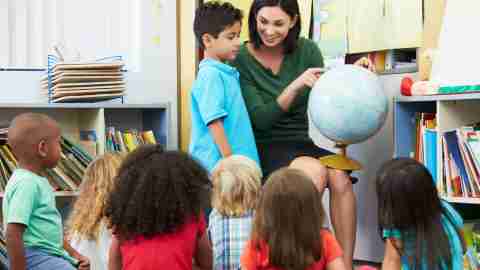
pixel 128 140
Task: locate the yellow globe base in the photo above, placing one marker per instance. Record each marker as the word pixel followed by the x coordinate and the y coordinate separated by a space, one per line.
pixel 340 162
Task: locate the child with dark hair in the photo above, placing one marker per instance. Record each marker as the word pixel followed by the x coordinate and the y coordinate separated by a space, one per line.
pixel 287 228
pixel 220 123
pixel 34 230
pixel 420 230
pixel 155 210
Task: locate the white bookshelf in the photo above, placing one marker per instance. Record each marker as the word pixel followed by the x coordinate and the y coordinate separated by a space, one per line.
pixel 452 111
pixel 74 117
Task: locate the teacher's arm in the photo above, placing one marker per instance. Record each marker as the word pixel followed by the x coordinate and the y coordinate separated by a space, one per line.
pixel 264 114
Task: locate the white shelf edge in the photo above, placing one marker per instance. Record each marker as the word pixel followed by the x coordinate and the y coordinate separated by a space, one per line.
pixel 466 200
pixel 449 97
pixel 162 105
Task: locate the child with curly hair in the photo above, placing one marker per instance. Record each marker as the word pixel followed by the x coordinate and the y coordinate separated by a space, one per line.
pixel 155 210
pixel 287 228
pixel 86 226
pixel 236 187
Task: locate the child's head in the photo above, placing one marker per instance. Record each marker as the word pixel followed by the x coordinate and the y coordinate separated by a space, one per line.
pixel 408 202
pixel 288 218
pixel 217 28
pixel 35 139
pixel 236 185
pixel 98 181
pixel 156 192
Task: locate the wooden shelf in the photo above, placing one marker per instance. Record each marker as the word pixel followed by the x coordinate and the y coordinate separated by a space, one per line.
pixel 59 194
pixel 461 200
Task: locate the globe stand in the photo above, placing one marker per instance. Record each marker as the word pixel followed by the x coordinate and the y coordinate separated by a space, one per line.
pixel 340 161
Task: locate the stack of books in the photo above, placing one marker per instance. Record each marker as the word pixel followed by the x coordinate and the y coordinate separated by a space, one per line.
pixel 461 162
pixel 127 141
pixel 68 174
pixel 86 82
pixel 425 141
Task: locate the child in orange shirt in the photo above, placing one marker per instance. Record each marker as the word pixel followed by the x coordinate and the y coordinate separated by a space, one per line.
pixel 287 229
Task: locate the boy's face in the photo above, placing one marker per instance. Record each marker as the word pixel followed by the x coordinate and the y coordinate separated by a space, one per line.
pixel 226 46
pixel 50 149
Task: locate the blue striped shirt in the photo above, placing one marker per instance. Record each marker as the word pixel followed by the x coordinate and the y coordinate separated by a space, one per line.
pixel 228 236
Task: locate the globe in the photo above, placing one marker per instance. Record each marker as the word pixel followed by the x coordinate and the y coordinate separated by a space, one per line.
pixel 347 104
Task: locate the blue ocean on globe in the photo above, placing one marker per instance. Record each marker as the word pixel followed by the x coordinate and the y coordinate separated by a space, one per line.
pixel 347 104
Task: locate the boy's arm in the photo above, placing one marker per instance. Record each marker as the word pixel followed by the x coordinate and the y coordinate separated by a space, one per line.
pixel 392 260
pixel 83 262
pixel 218 133
pixel 15 247
pixel 114 255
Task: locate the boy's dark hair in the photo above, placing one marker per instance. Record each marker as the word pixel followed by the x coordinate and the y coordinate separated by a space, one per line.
pixel 288 218
pixel 288 6
pixel 408 202
pixel 213 17
pixel 156 192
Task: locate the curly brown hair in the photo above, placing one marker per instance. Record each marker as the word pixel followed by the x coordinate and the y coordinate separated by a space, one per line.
pixel 156 192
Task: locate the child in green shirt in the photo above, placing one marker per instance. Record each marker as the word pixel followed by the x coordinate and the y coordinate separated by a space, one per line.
pixel 34 232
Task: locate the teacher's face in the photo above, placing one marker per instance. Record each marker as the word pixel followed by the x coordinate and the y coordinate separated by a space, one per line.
pixel 273 25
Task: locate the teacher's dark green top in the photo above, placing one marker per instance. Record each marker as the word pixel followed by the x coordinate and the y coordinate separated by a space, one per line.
pixel 261 87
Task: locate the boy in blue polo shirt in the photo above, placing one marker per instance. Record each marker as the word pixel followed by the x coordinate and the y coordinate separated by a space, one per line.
pixel 220 123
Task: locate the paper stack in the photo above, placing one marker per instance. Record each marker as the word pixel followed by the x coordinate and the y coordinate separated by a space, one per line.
pixel 85 82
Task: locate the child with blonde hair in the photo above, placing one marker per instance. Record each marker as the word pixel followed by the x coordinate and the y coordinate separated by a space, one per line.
pixel 86 226
pixel 236 186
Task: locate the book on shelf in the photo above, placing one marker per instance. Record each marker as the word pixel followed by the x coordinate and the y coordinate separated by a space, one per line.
pixel 3 250
pixel 425 141
pixel 461 162
pixel 126 141
pixel 66 176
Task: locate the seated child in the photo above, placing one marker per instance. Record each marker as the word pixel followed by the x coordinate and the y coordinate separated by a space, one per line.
pixel 87 228
pixel 420 230
pixel 287 228
pixel 236 187
pixel 155 210
pixel 34 232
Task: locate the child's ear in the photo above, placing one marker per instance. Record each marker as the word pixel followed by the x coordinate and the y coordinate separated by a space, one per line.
pixel 207 40
pixel 42 148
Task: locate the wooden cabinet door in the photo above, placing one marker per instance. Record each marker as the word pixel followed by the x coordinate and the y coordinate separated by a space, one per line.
pixel 375 25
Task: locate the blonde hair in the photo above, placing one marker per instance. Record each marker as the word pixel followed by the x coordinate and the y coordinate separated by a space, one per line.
pixel 236 185
pixel 88 211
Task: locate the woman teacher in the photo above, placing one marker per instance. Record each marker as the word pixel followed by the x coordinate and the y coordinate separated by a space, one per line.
pixel 277 70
